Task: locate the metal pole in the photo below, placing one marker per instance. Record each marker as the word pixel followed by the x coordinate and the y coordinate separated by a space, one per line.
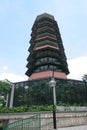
pixel 54 95
pixel 27 88
pixel 12 96
pixel 54 108
pixel 12 93
pixel 28 97
pixel 52 84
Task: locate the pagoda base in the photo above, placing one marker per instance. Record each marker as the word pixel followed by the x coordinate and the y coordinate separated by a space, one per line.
pixel 47 74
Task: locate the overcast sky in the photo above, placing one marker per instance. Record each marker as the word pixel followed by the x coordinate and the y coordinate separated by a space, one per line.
pixel 16 20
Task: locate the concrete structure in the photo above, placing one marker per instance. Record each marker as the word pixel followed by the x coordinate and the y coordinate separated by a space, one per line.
pixel 84 127
pixel 64 119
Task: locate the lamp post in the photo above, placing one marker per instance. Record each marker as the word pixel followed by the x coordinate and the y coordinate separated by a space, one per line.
pixel 12 93
pixel 27 88
pixel 52 84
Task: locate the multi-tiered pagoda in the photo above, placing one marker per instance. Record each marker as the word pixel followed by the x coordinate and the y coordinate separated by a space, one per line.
pixel 46 51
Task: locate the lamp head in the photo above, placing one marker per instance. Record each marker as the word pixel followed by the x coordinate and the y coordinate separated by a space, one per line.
pixel 26 87
pixel 52 82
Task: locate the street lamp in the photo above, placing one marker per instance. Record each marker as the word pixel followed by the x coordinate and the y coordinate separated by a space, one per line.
pixel 27 88
pixel 52 84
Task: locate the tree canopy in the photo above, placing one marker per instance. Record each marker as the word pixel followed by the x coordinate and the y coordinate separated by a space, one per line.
pixel 4 89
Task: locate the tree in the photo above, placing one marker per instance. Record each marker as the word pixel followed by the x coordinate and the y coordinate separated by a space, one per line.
pixel 4 89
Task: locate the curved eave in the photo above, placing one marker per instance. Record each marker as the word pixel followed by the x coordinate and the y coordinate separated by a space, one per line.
pixel 28 73
pixel 46 46
pixel 45 38
pixel 32 54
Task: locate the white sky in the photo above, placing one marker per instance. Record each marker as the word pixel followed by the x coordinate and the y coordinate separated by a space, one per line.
pixel 16 20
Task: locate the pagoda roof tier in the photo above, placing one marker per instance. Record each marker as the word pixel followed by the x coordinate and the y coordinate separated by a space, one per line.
pixel 46 15
pixel 33 34
pixel 31 55
pixel 47 52
pixel 45 23
pixel 43 39
pixel 31 47
pixel 29 72
pixel 48 63
pixel 30 61
pixel 49 30
pixel 46 42
pixel 42 19
pixel 46 47
pixel 46 34
pixel 46 38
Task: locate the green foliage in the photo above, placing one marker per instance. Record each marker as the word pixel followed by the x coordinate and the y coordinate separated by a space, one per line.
pixel 26 109
pixel 2 101
pixel 40 108
pixel 34 108
pixel 36 94
pixel 1 126
pixel 40 93
pixel 71 93
pixel 4 89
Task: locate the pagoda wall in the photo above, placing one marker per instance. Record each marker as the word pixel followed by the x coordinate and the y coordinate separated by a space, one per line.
pixel 46 74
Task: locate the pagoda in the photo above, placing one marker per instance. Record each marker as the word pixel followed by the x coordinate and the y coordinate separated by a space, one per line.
pixel 46 51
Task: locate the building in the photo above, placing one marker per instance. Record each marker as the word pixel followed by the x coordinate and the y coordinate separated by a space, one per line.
pixel 46 51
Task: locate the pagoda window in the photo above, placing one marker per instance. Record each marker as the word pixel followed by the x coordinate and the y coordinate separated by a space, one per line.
pixel 45 67
pixel 58 69
pixel 50 67
pixel 41 68
pixel 37 69
pixel 38 62
pixel 47 53
pixel 42 60
pixel 51 59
